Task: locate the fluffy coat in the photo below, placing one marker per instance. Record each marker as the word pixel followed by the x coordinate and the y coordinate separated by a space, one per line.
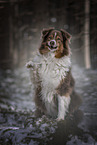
pixel 51 76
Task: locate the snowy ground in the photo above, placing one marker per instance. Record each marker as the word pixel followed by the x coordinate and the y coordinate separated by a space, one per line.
pixel 18 125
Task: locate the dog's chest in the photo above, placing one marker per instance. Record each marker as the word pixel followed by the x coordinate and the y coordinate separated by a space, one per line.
pixel 52 72
pixel 50 75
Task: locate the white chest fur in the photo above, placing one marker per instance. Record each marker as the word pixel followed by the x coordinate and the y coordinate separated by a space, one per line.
pixel 51 72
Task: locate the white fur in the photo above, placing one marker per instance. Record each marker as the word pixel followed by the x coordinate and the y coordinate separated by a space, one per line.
pixel 63 104
pixel 55 35
pixel 51 71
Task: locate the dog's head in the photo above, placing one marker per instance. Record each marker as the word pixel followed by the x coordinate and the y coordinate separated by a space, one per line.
pixel 55 41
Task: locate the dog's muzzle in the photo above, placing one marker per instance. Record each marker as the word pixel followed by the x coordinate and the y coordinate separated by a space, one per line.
pixel 52 46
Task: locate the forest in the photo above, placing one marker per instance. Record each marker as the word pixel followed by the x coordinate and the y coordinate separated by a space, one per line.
pixel 21 23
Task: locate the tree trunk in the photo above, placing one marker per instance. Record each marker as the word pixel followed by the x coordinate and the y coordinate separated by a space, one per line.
pixel 87 34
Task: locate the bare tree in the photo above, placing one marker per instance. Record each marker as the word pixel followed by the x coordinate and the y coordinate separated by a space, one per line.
pixel 87 34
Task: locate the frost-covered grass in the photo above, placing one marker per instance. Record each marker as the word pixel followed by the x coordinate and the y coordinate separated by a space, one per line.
pixel 18 124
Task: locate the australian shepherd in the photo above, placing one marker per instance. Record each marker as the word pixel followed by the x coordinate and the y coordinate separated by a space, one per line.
pixel 50 72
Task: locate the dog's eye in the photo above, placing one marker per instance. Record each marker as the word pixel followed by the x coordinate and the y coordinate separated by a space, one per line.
pixel 50 38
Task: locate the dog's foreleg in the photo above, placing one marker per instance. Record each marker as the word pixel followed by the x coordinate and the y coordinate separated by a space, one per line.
pixel 63 105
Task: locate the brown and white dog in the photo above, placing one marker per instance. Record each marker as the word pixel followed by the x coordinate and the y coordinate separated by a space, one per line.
pixel 50 73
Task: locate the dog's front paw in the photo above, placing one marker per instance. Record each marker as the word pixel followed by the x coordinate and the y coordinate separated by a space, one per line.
pixel 30 64
pixel 60 119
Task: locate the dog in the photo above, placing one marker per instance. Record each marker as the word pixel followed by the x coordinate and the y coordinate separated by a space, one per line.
pixel 50 72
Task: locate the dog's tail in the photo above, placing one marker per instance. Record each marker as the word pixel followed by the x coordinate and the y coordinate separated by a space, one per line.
pixel 76 102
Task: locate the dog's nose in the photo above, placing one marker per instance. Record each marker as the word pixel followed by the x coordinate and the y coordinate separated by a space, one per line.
pixel 52 43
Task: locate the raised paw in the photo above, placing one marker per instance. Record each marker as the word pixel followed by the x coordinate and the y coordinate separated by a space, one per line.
pixel 30 64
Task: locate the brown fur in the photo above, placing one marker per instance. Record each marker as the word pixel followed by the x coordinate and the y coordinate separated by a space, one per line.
pixel 63 48
pixel 76 101
pixel 38 100
pixel 66 86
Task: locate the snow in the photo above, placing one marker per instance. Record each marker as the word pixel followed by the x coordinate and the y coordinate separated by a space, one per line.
pixel 18 124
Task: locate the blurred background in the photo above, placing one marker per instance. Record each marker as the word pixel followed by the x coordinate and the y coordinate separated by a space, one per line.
pixel 21 23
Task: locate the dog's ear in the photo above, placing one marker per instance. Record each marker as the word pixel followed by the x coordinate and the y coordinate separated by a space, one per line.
pixel 66 38
pixel 66 35
pixel 46 32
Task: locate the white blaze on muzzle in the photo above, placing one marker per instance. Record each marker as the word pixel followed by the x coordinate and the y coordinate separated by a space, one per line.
pixel 52 45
